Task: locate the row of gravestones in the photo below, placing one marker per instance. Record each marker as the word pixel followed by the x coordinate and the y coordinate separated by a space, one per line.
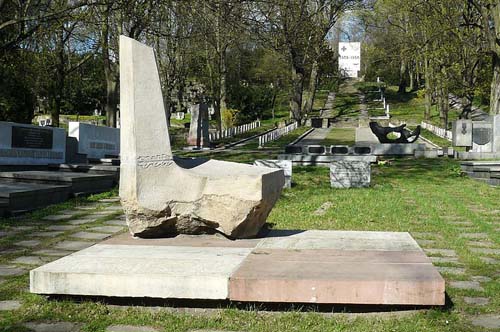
pixel 343 173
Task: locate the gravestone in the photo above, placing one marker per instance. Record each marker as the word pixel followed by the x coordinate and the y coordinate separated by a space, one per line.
pixel 462 133
pixel 198 130
pixel 481 138
pixel 22 144
pixel 163 195
pixel 350 174
pixel 285 165
pixel 180 115
pixel 95 141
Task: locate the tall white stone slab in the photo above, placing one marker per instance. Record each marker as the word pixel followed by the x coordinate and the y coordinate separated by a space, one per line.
pixel 163 195
pixel 96 141
pixel 350 58
pixel 22 144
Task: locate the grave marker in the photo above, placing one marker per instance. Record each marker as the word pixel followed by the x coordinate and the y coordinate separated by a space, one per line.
pixel 22 144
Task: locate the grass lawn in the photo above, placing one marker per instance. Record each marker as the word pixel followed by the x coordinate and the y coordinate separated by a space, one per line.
pixel 340 136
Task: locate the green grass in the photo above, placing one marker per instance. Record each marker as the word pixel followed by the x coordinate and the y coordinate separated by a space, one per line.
pixel 409 107
pixel 340 136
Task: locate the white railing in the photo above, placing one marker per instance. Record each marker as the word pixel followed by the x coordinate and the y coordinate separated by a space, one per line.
pixel 438 131
pixel 275 134
pixel 230 132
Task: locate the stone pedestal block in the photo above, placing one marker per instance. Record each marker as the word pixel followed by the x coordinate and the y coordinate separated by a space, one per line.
pixel 285 165
pixel 350 174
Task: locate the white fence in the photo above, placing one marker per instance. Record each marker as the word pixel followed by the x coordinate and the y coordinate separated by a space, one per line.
pixel 441 132
pixel 277 133
pixel 230 132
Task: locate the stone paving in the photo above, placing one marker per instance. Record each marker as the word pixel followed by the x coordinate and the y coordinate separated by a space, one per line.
pixel 53 327
pixel 130 328
pixel 458 277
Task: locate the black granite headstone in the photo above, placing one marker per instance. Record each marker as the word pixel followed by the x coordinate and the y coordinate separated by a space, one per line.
pixel 31 138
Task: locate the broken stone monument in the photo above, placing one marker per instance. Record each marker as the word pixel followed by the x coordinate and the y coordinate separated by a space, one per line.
pixel 163 195
pixel 198 129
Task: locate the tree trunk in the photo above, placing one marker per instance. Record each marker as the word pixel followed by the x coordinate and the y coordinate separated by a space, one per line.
pixel 495 86
pixel 313 83
pixel 111 99
pixel 297 88
pixel 222 81
pixel 109 74
pixel 59 83
pixel 402 77
pixel 411 73
pixel 428 97
pixel 466 105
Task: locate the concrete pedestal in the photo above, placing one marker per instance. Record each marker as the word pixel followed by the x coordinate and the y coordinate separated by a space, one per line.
pixel 285 266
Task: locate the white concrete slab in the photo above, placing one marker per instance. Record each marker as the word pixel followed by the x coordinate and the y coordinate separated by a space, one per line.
pixel 341 240
pixel 141 271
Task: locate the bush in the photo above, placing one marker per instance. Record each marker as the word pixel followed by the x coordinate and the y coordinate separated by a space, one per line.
pixel 229 117
pixel 251 101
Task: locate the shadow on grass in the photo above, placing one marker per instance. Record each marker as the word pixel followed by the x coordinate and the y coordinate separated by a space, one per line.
pixel 435 170
pixel 202 306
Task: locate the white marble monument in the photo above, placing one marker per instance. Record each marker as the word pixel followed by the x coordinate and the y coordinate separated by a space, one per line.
pixel 96 141
pixel 163 195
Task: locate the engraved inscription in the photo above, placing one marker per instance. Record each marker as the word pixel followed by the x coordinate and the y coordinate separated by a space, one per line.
pixel 31 138
pixel 102 146
pixel 159 160
pixel 38 154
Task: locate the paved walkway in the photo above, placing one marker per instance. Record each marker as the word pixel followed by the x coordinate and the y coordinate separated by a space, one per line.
pixel 315 137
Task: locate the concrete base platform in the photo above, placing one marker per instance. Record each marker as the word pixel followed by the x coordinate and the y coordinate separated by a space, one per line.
pixel 81 183
pixel 285 266
pixel 478 155
pixel 29 196
pixel 486 171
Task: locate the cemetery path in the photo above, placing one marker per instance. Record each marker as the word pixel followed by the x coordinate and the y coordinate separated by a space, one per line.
pixel 328 110
pixel 315 137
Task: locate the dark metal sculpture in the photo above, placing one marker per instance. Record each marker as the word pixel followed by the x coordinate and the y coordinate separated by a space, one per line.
pixel 405 136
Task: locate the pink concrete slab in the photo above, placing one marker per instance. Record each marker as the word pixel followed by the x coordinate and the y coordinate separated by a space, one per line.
pixel 336 276
pixel 183 241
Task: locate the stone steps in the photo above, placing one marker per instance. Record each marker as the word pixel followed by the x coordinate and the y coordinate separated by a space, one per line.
pixel 101 169
pixel 486 171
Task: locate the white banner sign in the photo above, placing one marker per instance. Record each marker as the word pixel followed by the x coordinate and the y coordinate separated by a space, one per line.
pixel 350 59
